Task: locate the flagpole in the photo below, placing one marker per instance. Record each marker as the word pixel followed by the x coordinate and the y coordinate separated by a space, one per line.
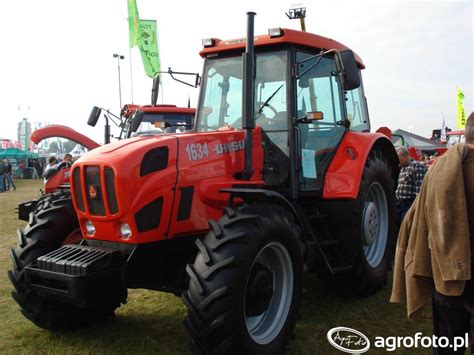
pixel 443 129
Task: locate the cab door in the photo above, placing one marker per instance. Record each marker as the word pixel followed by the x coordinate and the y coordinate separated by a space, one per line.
pixel 318 92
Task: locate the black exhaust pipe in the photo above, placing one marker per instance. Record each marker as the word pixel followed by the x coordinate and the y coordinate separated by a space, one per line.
pixel 248 95
pixel 155 89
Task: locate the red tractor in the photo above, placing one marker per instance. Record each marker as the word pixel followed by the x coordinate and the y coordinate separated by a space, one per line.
pixel 279 175
pixel 455 137
pixel 166 118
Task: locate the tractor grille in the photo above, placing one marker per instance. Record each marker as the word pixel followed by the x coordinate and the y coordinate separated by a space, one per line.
pixel 94 190
pixel 95 198
pixel 110 189
pixel 76 175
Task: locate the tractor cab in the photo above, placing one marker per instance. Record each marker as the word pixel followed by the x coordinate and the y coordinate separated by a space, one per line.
pixel 160 118
pixel 304 102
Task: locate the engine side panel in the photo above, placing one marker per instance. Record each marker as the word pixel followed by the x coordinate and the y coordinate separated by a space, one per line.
pixel 161 186
pixel 209 162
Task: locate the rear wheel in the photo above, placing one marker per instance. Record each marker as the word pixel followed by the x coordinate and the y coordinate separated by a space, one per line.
pixel 374 227
pixel 51 224
pixel 246 283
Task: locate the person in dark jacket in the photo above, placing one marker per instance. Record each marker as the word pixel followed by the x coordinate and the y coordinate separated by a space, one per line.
pixel 8 177
pixel 3 170
pixel 39 168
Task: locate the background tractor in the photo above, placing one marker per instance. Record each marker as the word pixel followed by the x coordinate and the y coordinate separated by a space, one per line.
pixel 163 117
pixel 279 175
pixel 133 120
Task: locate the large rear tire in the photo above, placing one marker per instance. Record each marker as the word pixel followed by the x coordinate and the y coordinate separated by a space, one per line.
pixel 374 227
pixel 50 225
pixel 245 284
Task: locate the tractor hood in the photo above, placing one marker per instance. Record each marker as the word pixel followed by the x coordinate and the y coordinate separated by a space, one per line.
pixel 139 182
pixel 127 148
pixel 128 183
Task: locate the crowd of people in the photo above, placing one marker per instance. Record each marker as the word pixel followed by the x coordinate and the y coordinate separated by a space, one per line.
pixel 33 168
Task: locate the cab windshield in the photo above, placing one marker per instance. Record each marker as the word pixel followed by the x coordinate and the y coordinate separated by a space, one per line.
pixel 221 96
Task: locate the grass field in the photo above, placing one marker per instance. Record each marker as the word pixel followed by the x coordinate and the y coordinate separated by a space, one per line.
pixel 151 321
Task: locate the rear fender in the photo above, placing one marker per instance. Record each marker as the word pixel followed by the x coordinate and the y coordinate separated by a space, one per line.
pixel 343 178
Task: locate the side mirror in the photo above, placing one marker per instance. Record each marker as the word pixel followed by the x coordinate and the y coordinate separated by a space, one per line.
pixel 155 89
pixel 350 72
pixel 137 120
pixel 94 116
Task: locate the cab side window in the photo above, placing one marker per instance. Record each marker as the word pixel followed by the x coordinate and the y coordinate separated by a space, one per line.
pixel 356 110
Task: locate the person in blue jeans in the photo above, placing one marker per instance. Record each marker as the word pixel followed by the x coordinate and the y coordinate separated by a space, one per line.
pixel 8 177
pixel 2 176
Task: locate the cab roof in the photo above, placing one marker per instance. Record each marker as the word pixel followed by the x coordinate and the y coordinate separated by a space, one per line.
pixel 129 109
pixel 289 37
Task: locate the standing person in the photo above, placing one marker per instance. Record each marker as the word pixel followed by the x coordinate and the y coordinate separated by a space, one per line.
pixel 8 176
pixel 2 176
pixel 21 167
pixel 435 250
pixel 31 165
pixel 410 179
pixel 39 168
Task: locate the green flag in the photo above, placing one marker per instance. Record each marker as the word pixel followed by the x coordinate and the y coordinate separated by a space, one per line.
pixel 460 110
pixel 133 21
pixel 148 44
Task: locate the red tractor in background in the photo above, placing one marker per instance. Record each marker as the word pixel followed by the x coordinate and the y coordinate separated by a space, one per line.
pixel 166 118
pixel 280 174
pixel 455 137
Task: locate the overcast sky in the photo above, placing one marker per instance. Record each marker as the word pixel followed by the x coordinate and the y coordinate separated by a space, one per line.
pixel 57 55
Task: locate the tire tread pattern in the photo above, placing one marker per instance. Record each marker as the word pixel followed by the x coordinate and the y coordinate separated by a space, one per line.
pixel 216 275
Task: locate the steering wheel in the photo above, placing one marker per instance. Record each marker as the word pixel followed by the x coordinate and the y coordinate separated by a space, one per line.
pixel 260 104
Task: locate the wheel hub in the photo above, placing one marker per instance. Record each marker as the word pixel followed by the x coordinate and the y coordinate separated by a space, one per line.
pixel 371 223
pixel 259 290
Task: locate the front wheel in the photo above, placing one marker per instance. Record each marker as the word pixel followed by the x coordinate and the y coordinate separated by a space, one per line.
pixel 245 283
pixel 52 224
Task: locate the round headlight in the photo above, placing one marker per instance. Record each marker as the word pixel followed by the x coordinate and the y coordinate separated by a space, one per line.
pixel 90 227
pixel 125 231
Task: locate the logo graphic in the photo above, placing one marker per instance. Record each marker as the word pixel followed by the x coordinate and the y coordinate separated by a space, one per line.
pixel 348 340
pixel 93 194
